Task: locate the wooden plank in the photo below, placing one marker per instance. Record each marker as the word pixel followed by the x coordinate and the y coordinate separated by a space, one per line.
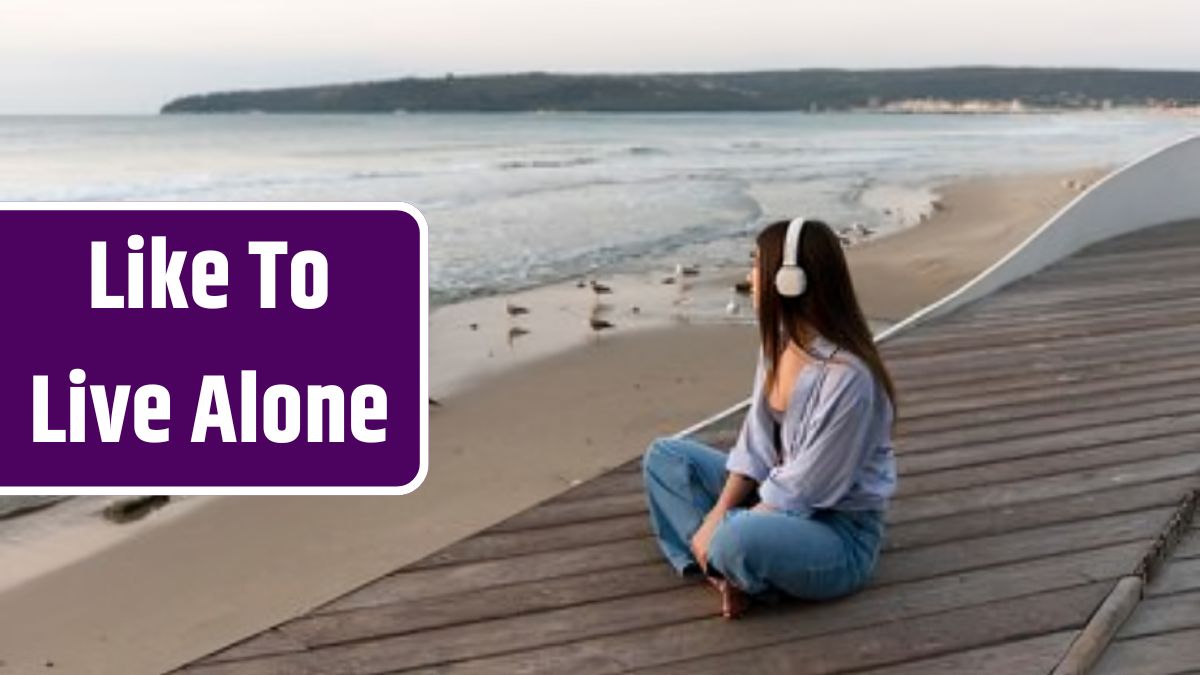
pixel 1085 420
pixel 1055 613
pixel 982 321
pixel 1125 299
pixel 494 545
pixel 1085 268
pixel 1024 319
pixel 1127 265
pixel 1056 295
pixel 1050 487
pixel 1064 294
pixel 914 483
pixel 1177 576
pixel 991 359
pixel 1189 547
pixel 1160 239
pixel 1116 324
pixel 496 602
pixel 1053 373
pixel 963 554
pixel 1120 499
pixel 907 359
pixel 950 366
pixel 1063 441
pixel 1042 336
pixel 977 406
pixel 1163 614
pixel 1035 375
pixel 1060 401
pixel 411 585
pixel 267 643
pixel 1168 654
pixel 1098 258
pixel 1040 373
pixel 1147 266
pixel 667 643
pixel 1032 655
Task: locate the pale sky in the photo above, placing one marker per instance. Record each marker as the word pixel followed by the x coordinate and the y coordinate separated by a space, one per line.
pixel 130 56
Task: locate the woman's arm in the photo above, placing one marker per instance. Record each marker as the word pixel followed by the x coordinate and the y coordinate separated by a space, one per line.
pixel 737 488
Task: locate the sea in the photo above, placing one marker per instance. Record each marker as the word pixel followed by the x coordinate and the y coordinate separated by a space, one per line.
pixel 519 200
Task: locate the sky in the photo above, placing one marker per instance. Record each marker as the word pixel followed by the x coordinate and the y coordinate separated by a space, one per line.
pixel 131 56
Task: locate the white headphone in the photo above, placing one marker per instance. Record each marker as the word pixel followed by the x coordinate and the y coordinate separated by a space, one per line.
pixel 790 280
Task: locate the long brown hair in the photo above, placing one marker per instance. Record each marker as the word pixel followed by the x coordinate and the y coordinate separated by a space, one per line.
pixel 828 305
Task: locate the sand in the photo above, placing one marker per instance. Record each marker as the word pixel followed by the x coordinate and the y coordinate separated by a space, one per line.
pixel 199 575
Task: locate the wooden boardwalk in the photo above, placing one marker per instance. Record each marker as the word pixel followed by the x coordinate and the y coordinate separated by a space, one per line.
pixel 1047 433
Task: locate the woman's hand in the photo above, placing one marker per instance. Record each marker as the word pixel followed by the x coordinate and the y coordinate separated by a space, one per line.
pixel 762 507
pixel 703 536
pixel 737 488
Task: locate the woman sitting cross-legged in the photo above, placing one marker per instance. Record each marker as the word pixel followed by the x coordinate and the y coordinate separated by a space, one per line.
pixel 797 506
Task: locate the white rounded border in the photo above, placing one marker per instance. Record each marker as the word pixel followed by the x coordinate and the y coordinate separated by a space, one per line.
pixel 412 211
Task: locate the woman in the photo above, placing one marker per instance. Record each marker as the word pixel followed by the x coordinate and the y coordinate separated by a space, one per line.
pixel 797 506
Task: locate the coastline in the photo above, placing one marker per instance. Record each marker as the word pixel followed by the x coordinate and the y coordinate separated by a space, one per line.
pixel 535 425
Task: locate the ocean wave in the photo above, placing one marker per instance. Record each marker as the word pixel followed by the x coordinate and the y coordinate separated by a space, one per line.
pixel 201 186
pixel 546 163
pixel 645 150
pixel 641 255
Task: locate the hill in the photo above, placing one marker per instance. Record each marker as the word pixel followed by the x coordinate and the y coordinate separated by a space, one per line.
pixel 1050 88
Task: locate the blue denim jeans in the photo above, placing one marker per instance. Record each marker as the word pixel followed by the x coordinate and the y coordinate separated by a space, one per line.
pixel 815 556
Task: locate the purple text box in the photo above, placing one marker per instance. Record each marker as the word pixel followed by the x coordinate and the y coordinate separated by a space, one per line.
pixel 369 331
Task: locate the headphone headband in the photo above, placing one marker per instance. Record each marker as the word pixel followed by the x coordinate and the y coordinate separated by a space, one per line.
pixel 790 280
pixel 791 243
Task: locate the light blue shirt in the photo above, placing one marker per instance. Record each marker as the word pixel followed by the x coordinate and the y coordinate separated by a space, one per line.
pixel 836 435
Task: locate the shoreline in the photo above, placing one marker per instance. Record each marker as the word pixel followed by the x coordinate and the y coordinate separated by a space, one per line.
pixel 167 590
pixel 896 271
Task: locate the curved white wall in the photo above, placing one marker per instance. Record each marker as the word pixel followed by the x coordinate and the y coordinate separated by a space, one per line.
pixel 1159 188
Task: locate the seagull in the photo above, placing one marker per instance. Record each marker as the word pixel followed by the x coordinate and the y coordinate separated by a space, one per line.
pixel 600 324
pixel 600 289
pixel 682 271
pixel 516 332
pixel 515 310
pixel 733 306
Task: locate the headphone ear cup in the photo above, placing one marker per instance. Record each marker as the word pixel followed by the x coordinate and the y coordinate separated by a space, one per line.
pixel 789 281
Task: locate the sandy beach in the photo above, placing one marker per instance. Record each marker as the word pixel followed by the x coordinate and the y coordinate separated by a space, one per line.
pixel 520 417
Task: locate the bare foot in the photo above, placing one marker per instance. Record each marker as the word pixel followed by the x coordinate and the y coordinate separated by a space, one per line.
pixel 733 601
